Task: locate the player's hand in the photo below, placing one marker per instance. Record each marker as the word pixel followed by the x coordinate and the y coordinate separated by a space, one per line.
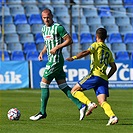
pixel 69 59
pixel 53 50
pixel 40 58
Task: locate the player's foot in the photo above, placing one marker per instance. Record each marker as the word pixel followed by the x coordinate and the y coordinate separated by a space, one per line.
pixel 91 106
pixel 82 112
pixel 113 120
pixel 38 116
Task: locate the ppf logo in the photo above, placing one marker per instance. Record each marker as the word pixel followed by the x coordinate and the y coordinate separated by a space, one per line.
pixel 10 77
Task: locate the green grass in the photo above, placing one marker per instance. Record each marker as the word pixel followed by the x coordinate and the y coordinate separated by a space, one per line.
pixel 63 115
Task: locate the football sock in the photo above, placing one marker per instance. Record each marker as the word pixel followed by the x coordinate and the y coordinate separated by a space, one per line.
pixel 67 91
pixel 107 109
pixel 44 99
pixel 80 95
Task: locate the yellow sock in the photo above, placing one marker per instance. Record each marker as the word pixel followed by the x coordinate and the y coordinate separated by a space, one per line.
pixel 80 95
pixel 107 109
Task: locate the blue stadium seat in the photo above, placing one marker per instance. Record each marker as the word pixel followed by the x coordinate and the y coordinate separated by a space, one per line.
pixel 40 46
pixel 44 2
pixel 26 37
pixel 11 38
pixel 131 20
pixel 90 11
pixel 112 28
pixel 100 2
pixel 57 2
pixel 122 55
pixel 39 38
pixel 36 28
pixel 104 11
pixel 31 9
pixel 83 28
pixel 115 38
pixel 35 19
pixel 6 55
pixel 76 20
pixel 9 28
pixel 132 55
pixel 20 19
pixel 28 2
pixel 17 56
pixel 128 38
pixel 108 20
pixel 27 47
pixel 14 2
pixel 128 3
pixel 115 2
pixel 93 20
pixel 45 57
pixel 75 37
pixel 120 21
pixel 14 46
pixel 6 11
pixel 129 11
pixel 7 20
pixel 61 11
pixel 86 38
pixel 129 47
pixel 64 20
pixel 18 9
pixel 118 11
pixel 85 2
pixel 67 27
pixel 32 55
pixel 116 47
pixel 1 46
pixel 124 29
pixel 76 11
pixel 23 28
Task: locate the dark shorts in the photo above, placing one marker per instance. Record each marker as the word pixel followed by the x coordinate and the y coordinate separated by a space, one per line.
pixel 99 85
pixel 55 71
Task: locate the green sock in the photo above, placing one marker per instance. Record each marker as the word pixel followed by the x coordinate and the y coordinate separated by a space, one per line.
pixel 44 99
pixel 67 91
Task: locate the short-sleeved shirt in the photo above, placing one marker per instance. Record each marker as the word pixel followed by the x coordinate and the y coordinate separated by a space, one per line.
pixel 53 36
pixel 101 56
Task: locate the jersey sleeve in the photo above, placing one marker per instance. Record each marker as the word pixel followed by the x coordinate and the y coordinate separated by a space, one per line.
pixel 92 48
pixel 61 31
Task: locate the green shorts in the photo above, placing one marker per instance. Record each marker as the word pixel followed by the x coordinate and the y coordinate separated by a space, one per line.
pixel 54 71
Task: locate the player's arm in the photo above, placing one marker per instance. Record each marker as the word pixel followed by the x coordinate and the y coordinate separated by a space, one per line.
pixel 79 55
pixel 40 57
pixel 112 70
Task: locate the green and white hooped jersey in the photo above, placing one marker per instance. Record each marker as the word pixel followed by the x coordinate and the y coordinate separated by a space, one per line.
pixel 53 36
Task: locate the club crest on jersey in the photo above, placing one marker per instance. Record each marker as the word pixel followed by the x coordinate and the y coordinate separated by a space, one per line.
pixel 49 37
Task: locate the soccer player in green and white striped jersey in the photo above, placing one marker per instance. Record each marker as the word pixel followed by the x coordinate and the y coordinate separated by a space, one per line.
pixel 56 37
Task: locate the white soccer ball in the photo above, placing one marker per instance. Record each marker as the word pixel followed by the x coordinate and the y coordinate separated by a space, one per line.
pixel 14 114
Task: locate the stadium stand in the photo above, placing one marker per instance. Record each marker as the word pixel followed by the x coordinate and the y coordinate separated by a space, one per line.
pixel 32 55
pixel 17 55
pixel 24 17
pixel 20 19
pixel 14 46
pixel 122 55
pixel 6 55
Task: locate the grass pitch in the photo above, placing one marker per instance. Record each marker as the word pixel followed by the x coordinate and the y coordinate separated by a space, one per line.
pixel 63 115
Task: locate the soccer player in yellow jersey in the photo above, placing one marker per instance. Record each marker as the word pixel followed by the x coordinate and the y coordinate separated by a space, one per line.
pixel 101 57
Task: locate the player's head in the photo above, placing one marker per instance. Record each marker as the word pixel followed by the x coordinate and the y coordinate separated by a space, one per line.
pixel 47 17
pixel 101 34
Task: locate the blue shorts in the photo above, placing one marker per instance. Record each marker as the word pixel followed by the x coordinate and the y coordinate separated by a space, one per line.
pixel 99 85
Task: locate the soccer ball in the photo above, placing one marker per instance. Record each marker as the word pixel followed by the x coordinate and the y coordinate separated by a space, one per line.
pixel 14 114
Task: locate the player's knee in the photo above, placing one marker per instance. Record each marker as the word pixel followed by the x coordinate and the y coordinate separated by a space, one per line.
pixel 62 86
pixel 44 85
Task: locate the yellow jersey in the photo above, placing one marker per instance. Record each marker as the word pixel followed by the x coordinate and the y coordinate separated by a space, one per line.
pixel 101 56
